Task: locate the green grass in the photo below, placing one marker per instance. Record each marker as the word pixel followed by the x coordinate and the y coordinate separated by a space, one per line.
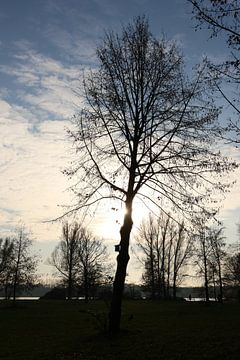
pixel 158 330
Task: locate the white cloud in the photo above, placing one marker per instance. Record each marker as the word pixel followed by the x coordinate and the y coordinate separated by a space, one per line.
pixel 34 148
pixel 46 84
pixel 4 108
pixel 31 181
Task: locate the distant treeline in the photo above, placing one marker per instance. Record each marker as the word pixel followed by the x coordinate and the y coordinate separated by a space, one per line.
pixel 168 252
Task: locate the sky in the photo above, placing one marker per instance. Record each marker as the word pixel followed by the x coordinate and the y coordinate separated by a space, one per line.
pixel 45 47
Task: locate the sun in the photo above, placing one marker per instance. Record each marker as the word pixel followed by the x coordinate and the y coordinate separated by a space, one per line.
pixel 140 212
pixel 110 218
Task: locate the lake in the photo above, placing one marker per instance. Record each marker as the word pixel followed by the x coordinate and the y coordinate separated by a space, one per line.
pixel 22 298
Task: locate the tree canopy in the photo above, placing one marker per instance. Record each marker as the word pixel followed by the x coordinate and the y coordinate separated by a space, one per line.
pixel 145 127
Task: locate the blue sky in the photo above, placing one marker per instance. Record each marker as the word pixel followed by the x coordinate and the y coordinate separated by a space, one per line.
pixel 45 45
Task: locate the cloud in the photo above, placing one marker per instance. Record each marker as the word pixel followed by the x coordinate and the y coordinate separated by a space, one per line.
pixel 34 148
pixel 31 180
pixel 45 84
pixel 79 48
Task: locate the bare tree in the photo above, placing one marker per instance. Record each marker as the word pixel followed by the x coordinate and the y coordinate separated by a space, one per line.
pixel 232 272
pixel 169 259
pixel 164 225
pixel 209 247
pixel 223 20
pixel 182 252
pixel 151 241
pixel 23 262
pixel 146 242
pixel 166 248
pixel 79 259
pixel 146 131
pixel 65 256
pixel 201 250
pixel 218 254
pixel 92 257
pixel 6 247
pixel 6 256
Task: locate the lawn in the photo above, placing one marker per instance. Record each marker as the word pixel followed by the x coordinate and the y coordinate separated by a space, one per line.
pixel 56 330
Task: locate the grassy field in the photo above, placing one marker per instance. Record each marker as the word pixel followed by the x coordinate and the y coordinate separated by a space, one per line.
pixel 151 330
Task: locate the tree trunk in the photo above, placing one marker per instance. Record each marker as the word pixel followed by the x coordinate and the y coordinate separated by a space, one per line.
pixel 70 277
pixel 175 271
pixel 206 278
pixel 163 284
pixel 158 287
pixel 15 281
pixel 153 288
pixel 214 286
pixel 118 285
pixel 220 298
pixel 6 291
pixel 206 289
pixel 70 287
pixel 86 285
pixel 16 275
pixel 205 262
pixel 174 286
pixel 169 268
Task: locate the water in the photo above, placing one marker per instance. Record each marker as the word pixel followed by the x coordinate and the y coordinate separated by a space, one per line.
pixel 198 299
pixel 37 298
pixel 82 298
pixel 22 298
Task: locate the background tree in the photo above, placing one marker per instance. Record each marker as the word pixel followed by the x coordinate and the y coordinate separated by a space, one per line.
pixel 217 243
pixel 166 247
pixel 65 257
pixel 182 250
pixel 152 240
pixel 223 20
pixel 92 259
pixel 145 130
pixel 209 250
pixel 232 272
pixel 79 259
pixel 6 257
pixel 146 242
pixel 20 264
pixel 24 264
pixel 203 253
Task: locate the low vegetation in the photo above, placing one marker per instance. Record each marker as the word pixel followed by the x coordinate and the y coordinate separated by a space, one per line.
pixel 151 330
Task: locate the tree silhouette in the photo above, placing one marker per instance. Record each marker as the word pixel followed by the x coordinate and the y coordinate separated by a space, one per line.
pixel 17 264
pixel 65 255
pixel 92 257
pixel 145 132
pixel 203 253
pixel 79 259
pixel 166 248
pixel 153 240
pixel 182 252
pixel 222 18
pixel 6 257
pixel 232 271
pixel 217 242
